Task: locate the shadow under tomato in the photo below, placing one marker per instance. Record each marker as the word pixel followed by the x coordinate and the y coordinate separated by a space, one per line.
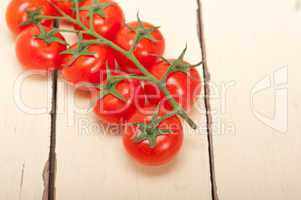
pixel 39 76
pixel 78 93
pixel 153 171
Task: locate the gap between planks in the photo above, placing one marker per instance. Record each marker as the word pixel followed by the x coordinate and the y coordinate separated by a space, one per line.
pixel 52 151
pixel 21 181
pixel 206 77
pixel 51 164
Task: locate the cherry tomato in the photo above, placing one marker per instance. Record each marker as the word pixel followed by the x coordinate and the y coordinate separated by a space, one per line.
pixel 107 21
pixel 17 13
pixel 113 110
pixel 86 68
pixel 37 54
pixel 166 147
pixel 185 87
pixel 67 6
pixel 147 51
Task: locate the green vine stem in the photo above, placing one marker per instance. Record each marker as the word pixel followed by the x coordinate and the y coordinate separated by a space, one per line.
pixel 177 109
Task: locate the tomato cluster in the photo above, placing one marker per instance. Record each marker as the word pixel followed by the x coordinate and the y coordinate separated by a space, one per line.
pixel 134 85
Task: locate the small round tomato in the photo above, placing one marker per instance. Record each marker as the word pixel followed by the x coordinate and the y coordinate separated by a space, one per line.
pixel 107 20
pixel 151 147
pixel 67 6
pixel 185 87
pixel 112 109
pixel 85 68
pixel 147 51
pixel 36 53
pixel 17 13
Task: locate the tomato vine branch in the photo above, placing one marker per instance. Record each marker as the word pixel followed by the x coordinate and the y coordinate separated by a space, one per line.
pixel 141 33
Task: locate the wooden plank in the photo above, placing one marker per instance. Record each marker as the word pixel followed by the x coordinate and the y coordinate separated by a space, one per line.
pixel 24 124
pixel 93 165
pixel 253 51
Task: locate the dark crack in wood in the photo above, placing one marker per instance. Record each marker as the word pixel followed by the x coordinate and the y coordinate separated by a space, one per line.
pixel 21 181
pixel 206 76
pixel 52 151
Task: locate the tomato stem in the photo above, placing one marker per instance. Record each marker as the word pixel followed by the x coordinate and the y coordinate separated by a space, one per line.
pixel 177 109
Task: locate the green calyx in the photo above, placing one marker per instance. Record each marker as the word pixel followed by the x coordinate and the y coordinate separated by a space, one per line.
pixel 97 8
pixel 151 130
pixel 110 87
pixel 82 49
pixel 142 33
pixel 107 88
pixel 50 36
pixel 150 134
pixel 179 65
pixel 33 17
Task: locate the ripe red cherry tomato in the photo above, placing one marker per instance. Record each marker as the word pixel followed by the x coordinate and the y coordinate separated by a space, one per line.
pixel 67 6
pixel 34 53
pixel 107 23
pixel 16 13
pixel 112 110
pixel 184 87
pixel 166 147
pixel 146 52
pixel 86 68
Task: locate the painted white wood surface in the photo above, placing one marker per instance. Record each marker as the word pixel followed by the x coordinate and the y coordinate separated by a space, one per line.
pixel 24 124
pixel 93 164
pixel 257 156
pixel 246 41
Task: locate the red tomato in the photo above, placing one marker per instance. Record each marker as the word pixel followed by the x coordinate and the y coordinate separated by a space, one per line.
pixel 107 24
pixel 35 53
pixel 147 51
pixel 67 6
pixel 16 13
pixel 184 87
pixel 86 68
pixel 166 147
pixel 112 110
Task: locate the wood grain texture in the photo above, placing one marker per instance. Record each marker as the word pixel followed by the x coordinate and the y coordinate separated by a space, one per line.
pixel 253 52
pixel 93 164
pixel 24 124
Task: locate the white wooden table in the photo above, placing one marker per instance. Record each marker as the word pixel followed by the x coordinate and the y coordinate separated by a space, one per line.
pixel 253 55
